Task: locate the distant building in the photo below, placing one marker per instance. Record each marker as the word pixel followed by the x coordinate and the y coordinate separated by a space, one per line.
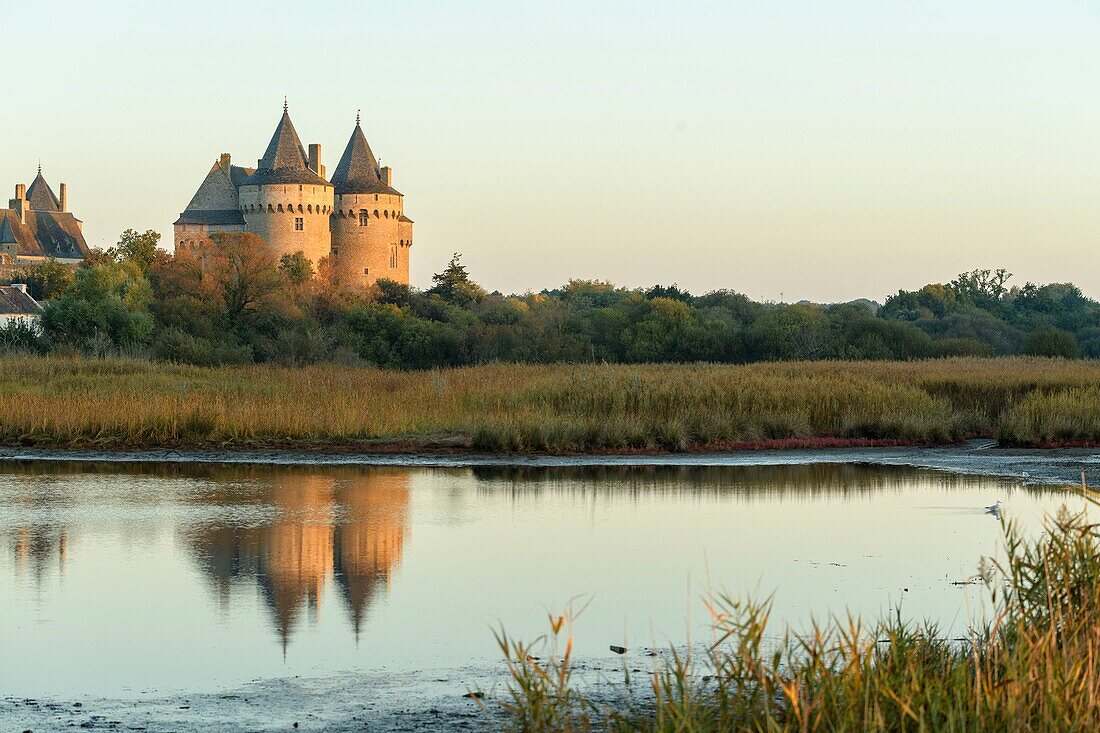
pixel 38 225
pixel 357 218
pixel 17 306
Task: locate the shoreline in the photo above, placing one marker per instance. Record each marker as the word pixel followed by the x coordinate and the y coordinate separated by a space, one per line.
pixel 1032 466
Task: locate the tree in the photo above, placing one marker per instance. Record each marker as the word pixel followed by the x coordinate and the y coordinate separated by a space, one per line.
pixel 46 280
pixel 791 332
pixel 393 292
pixel 242 274
pixel 454 284
pixel 141 249
pixel 1052 342
pixel 982 288
pixel 297 268
pixel 107 306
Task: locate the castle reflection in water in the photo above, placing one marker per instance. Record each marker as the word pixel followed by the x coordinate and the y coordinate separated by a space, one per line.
pixel 346 527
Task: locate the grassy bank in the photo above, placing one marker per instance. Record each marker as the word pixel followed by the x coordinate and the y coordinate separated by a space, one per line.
pixel 136 404
pixel 1034 667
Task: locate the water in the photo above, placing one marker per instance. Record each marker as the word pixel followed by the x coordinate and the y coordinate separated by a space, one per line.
pixel 126 581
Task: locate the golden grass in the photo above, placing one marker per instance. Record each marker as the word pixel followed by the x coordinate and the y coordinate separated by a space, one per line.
pixel 131 404
pixel 1034 667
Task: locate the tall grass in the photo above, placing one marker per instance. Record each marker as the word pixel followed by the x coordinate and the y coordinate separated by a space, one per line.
pixel 118 403
pixel 1035 667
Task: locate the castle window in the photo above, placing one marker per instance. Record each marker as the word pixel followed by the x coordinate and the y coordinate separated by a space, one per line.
pixel 393 257
pixel 366 270
pixel 280 208
pixel 309 209
pixel 376 213
pixel 299 224
pixel 364 218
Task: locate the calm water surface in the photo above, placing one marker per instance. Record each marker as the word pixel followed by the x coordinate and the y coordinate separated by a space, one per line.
pixel 120 581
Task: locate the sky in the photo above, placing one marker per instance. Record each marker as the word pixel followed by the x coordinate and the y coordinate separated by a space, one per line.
pixel 786 149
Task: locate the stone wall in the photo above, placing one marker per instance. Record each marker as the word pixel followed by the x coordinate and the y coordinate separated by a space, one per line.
pixel 271 213
pixel 374 247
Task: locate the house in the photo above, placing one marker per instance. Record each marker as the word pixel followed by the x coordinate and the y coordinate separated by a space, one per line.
pixel 37 225
pixel 16 305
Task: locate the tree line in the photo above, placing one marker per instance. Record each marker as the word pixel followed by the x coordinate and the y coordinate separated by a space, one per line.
pixel 234 302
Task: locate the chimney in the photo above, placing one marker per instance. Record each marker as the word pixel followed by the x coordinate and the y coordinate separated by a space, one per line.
pixel 64 197
pixel 315 158
pixel 387 175
pixel 19 204
pixel 224 159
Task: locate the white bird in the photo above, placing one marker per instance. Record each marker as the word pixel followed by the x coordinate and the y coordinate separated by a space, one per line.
pixel 995 509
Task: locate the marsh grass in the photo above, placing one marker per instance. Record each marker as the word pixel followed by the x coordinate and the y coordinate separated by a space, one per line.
pixel 120 403
pixel 1034 667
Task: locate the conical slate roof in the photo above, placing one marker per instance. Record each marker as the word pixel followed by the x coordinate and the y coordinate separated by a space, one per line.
pixel 358 171
pixel 40 195
pixel 285 159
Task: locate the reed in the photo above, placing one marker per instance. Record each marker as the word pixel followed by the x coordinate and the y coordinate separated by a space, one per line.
pixel 119 403
pixel 1034 667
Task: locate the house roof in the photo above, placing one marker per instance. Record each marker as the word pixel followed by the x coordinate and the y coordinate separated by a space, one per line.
pixel 41 196
pixel 285 159
pixel 14 301
pixel 357 171
pixel 216 200
pixel 46 234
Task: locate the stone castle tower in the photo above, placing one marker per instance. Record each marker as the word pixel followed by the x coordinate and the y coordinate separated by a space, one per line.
pixel 371 235
pixel 358 219
pixel 287 201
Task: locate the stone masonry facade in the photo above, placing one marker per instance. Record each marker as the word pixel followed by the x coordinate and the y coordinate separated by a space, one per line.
pixel 357 219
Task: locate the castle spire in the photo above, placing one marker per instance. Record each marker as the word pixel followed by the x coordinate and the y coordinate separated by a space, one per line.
pixel 285 159
pixel 357 112
pixel 41 196
pixel 285 106
pixel 358 170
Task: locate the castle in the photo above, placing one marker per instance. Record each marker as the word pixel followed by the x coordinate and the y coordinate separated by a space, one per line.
pixel 37 225
pixel 357 218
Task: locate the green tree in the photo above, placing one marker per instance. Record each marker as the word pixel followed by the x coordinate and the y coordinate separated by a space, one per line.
pixel 46 280
pixel 1051 342
pixel 454 284
pixel 297 267
pixel 106 307
pixel 141 249
pixel 792 332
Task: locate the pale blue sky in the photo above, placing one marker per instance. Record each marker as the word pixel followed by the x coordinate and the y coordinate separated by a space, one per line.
pixel 816 150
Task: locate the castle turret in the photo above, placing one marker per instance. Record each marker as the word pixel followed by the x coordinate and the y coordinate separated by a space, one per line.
pixel 371 235
pixel 285 202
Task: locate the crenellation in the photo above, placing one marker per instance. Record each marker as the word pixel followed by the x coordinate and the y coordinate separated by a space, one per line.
pixel 357 218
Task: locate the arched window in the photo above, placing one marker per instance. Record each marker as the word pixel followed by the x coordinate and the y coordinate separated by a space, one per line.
pixel 299 208
pixel 376 213
pixel 309 208
pixel 386 213
pixel 280 208
pixel 364 218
